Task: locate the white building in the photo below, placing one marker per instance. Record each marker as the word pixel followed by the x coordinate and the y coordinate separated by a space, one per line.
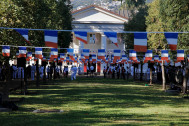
pixel 96 20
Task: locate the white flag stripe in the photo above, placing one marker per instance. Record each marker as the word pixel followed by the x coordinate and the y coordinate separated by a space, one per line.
pixel 51 39
pixel 6 50
pixel 180 54
pixel 148 55
pixel 142 42
pixel 22 51
pixel 117 54
pixel 25 36
pixel 82 37
pixel 113 39
pixel 132 54
pixel 172 41
pixel 54 53
pixel 101 54
pixel 164 55
pixel 38 52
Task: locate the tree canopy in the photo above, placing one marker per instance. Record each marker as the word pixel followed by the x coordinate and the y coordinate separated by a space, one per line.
pixel 35 14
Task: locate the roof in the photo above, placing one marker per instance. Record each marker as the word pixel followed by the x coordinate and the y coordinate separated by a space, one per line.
pixel 94 6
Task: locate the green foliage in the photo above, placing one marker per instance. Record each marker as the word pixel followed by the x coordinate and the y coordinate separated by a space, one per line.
pixel 35 14
pixel 168 16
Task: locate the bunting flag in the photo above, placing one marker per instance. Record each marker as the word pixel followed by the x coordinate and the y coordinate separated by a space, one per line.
pixel 124 58
pixel 180 55
pixel 54 53
pixel 62 56
pixel 101 54
pixel 140 42
pixel 164 54
pixel 132 55
pixel 17 54
pixel 93 56
pixel 148 55
pixel 98 60
pixel 22 51
pixel 38 53
pixel 156 58
pixel 81 36
pixel 24 33
pixel 107 60
pixel 29 55
pixel 59 60
pixel 44 59
pixel 112 36
pixel 172 40
pixel 6 51
pixel 51 39
pixel 67 59
pixel 86 53
pixel 71 53
pixel 117 54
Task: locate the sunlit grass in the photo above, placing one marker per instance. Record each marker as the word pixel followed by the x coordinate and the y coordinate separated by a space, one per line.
pixel 98 101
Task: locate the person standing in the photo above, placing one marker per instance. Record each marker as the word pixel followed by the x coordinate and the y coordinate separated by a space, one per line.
pixel 75 72
pixel 123 72
pixel 19 72
pixel 14 72
pixel 104 72
pixel 92 70
pixel 33 69
pixel 118 72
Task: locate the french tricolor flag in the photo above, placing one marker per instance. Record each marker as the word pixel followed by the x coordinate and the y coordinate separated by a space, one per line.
pixel 132 55
pixel 6 51
pixel 22 51
pixel 62 56
pixel 156 58
pixel 124 58
pixel 164 55
pixel 93 56
pixel 140 42
pixel 24 33
pixel 67 59
pixel 44 59
pixel 172 40
pixel 112 36
pixel 99 60
pixel 180 55
pixel 117 54
pixel 54 53
pixel 81 36
pixel 148 55
pixel 101 54
pixel 86 53
pixel 17 54
pixel 51 39
pixel 71 53
pixel 38 53
pixel 29 55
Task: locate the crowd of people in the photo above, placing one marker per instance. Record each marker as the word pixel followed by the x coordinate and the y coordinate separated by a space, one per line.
pixel 173 75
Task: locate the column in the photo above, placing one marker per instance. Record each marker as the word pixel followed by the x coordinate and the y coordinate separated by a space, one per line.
pixel 103 46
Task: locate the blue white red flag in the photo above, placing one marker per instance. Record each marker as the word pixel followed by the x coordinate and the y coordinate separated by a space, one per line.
pixel 86 53
pixel 93 56
pixel 38 53
pixel 156 58
pixel 22 51
pixel 132 55
pixel 164 55
pixel 180 55
pixel 101 54
pixel 62 56
pixel 172 40
pixel 148 55
pixel 29 55
pixel 140 42
pixel 54 53
pixel 81 36
pixel 51 39
pixel 112 36
pixel 24 33
pixel 6 51
pixel 117 54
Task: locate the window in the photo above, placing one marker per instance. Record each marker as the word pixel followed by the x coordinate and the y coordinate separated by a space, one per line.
pixel 92 38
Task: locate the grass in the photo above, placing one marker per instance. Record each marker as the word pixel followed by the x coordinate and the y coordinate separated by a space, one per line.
pixel 98 101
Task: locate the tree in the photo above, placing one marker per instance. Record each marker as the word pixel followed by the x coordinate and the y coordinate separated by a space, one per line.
pixel 35 14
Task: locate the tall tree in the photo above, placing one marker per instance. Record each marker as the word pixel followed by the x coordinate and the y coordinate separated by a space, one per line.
pixel 35 14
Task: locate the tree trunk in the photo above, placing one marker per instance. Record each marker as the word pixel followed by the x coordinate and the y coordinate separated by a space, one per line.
pixel 163 76
pixel 150 75
pixel 184 90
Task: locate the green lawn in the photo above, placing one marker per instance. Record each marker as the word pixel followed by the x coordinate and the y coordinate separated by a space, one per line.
pixel 98 101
